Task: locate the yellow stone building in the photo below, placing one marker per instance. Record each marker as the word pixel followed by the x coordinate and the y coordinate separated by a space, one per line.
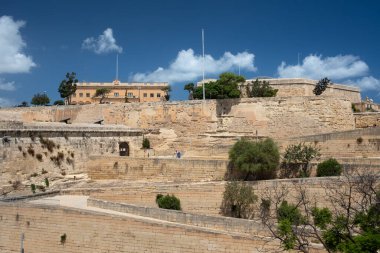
pixel 119 92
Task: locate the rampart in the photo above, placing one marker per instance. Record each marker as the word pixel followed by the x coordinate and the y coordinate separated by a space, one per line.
pixel 367 119
pixel 92 231
pixel 207 128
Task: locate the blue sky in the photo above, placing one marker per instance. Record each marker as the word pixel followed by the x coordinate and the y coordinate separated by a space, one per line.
pixel 161 41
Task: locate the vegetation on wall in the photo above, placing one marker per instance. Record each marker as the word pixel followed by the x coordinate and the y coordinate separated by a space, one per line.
pixel 238 200
pixel 146 143
pixel 227 86
pixel 258 160
pixel 321 86
pixel 260 89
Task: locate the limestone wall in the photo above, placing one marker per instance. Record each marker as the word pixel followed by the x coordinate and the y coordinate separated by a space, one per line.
pixel 242 226
pixel 209 128
pixel 26 159
pixel 367 119
pixel 90 231
pixel 156 169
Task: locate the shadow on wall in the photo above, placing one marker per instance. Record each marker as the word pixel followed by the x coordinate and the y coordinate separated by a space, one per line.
pixel 223 106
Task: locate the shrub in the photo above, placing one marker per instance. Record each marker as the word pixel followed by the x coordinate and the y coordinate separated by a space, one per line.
pixel 20 148
pixel 47 182
pixel 296 160
pixel 63 238
pixel 24 154
pixel 260 89
pixel 359 140
pixel 33 188
pixel 238 200
pixel 16 184
pixel 35 174
pixel 41 188
pixel 46 143
pixel 39 157
pixel 168 202
pixel 30 151
pixel 259 160
pixel 328 168
pixel 43 171
pixel 321 86
pixel 146 143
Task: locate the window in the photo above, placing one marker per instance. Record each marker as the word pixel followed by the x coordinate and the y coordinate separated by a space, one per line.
pixel 87 95
pixel 130 95
pixel 145 95
pixel 152 95
pixel 158 95
pixel 116 94
pixel 81 95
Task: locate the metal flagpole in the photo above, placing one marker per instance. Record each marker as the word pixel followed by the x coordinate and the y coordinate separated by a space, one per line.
pixel 117 66
pixel 203 64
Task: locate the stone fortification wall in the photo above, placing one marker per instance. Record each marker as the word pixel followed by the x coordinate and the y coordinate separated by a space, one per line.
pixel 26 158
pixel 209 128
pixel 156 169
pixel 290 87
pixel 206 198
pixel 234 225
pixel 90 231
pixel 354 143
pixel 367 119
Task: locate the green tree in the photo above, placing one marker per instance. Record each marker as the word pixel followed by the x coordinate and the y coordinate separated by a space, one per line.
pixel 190 88
pixel 167 90
pixel 59 102
pixel 40 99
pixel 297 158
pixel 238 200
pixel 260 89
pixel 68 86
pixel 227 86
pixel 102 93
pixel 351 223
pixel 258 160
pixel 321 86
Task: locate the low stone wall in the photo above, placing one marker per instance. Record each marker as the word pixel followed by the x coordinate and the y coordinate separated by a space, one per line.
pixel 90 231
pixel 367 119
pixel 241 226
pixel 156 169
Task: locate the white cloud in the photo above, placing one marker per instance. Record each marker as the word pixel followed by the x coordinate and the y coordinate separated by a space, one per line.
pixel 7 86
pixel 4 102
pixel 315 67
pixel 366 83
pixel 188 67
pixel 105 43
pixel 12 58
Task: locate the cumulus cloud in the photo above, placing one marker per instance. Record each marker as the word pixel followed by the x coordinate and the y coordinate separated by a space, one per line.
pixel 105 43
pixel 346 69
pixel 188 67
pixel 12 59
pixel 7 86
pixel 315 67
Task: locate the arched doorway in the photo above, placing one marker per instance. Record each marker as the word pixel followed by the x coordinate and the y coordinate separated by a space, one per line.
pixel 124 148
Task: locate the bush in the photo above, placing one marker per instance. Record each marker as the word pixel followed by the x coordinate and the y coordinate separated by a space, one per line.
pixel 33 188
pixel 146 143
pixel 39 157
pixel 31 151
pixel 260 89
pixel 238 200
pixel 296 160
pixel 46 143
pixel 329 168
pixel 259 160
pixel 168 202
pixel 47 182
